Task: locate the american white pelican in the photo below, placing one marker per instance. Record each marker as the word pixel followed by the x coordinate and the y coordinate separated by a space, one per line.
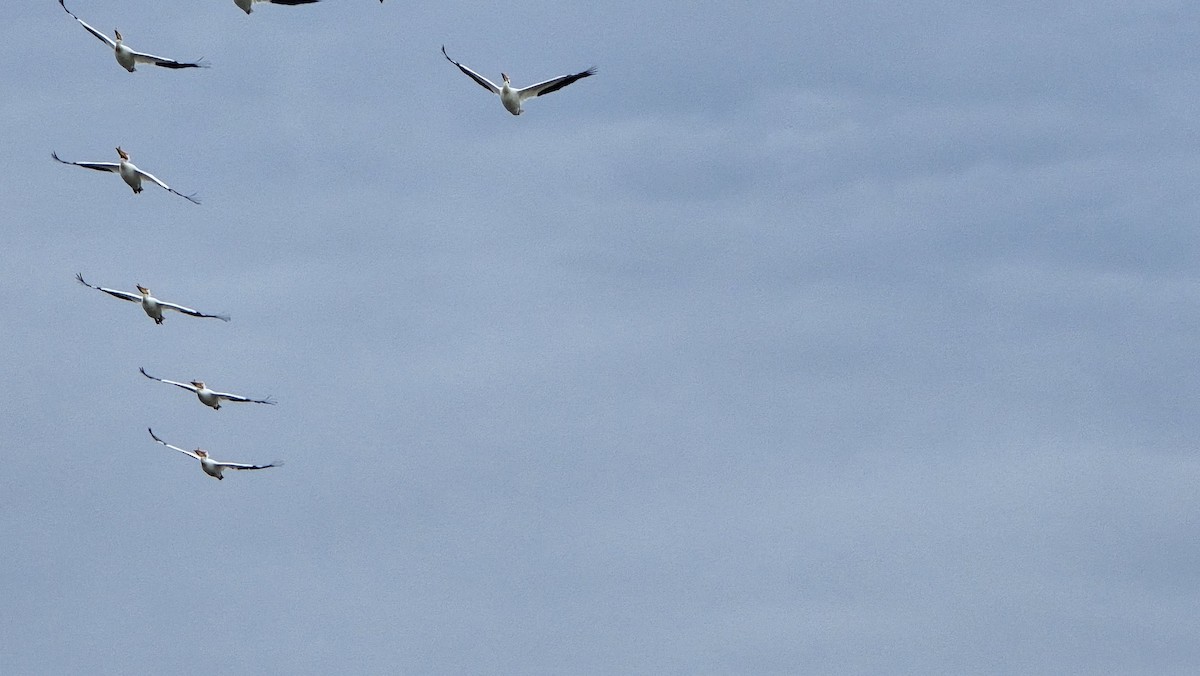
pixel 129 173
pixel 207 396
pixel 153 306
pixel 512 98
pixel 211 467
pixel 247 4
pixel 128 58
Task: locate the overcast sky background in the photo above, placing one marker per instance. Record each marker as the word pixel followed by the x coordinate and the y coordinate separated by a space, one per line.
pixel 806 337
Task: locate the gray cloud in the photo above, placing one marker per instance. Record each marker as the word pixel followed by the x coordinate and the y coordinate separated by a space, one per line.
pixel 798 339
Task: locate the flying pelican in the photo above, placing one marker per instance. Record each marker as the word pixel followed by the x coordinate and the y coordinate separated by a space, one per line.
pixel 128 58
pixel 207 396
pixel 211 467
pixel 512 98
pixel 153 306
pixel 247 4
pixel 129 173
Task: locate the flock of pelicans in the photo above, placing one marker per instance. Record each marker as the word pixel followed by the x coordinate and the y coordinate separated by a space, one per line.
pixel 129 59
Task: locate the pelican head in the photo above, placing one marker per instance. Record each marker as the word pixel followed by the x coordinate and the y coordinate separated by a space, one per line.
pixel 118 34
pixel 198 383
pixel 505 76
pixel 201 452
pixel 143 290
pixel 124 155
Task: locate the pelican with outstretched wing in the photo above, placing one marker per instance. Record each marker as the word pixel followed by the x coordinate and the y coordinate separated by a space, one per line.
pixel 153 306
pixel 211 467
pixel 128 58
pixel 128 172
pixel 247 5
pixel 512 97
pixel 208 396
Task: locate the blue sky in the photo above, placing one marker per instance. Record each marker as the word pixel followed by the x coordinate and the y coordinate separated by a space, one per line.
pixel 804 338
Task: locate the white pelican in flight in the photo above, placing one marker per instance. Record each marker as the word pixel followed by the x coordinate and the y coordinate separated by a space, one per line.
pixel 211 467
pixel 153 306
pixel 128 58
pixel 129 173
pixel 207 396
pixel 246 5
pixel 512 98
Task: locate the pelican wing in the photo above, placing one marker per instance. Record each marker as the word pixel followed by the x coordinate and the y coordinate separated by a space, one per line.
pixel 187 386
pixel 185 452
pixel 147 175
pixel 190 311
pixel 165 62
pixel 553 84
pixel 483 81
pixel 237 398
pixel 123 295
pixel 98 166
pixel 287 2
pixel 107 40
pixel 239 465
